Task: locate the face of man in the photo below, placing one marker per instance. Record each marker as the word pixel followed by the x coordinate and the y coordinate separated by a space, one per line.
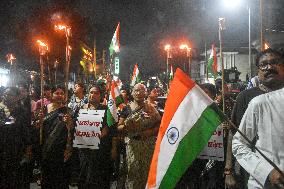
pixel 271 71
pixel 78 89
pixel 58 96
pixel 94 95
pixel 139 93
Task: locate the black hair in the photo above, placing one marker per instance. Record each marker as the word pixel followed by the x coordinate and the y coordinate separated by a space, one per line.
pixel 127 89
pixel 80 84
pixel 97 87
pixel 278 52
pixel 210 87
pixel 54 88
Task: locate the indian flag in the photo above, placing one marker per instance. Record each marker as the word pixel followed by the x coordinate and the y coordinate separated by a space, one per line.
pixel 136 78
pixel 115 45
pixel 189 120
pixel 212 62
pixel 115 100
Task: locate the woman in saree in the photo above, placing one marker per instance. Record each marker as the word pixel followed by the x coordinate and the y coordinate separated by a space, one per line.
pixel 95 164
pixel 56 147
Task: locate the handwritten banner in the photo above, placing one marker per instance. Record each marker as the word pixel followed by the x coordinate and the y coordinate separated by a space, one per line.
pixel 214 150
pixel 88 129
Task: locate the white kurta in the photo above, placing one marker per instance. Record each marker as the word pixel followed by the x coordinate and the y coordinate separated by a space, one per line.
pixel 264 119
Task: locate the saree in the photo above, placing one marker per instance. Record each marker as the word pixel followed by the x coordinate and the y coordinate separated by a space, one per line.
pixel 55 135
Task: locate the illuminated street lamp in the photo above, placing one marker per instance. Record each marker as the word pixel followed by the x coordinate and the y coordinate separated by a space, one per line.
pixel 67 31
pixel 43 49
pixel 188 50
pixel 168 48
pixel 230 3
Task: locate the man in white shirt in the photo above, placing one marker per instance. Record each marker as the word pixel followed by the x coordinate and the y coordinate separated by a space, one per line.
pixel 264 120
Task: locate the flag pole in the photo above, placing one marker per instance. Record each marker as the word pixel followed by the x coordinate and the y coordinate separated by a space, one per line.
pixel 206 60
pixel 95 58
pixel 221 27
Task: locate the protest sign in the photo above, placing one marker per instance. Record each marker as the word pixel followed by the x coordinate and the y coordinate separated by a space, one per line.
pixel 88 129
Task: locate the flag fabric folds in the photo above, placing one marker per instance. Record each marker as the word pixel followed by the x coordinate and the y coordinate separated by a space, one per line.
pixel 136 78
pixel 115 101
pixel 212 62
pixel 115 44
pixel 188 122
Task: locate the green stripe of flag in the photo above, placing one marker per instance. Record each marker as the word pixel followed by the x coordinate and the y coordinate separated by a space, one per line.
pixel 110 120
pixel 191 145
pixel 119 100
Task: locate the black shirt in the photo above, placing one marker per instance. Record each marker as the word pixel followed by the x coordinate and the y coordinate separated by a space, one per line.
pixel 242 102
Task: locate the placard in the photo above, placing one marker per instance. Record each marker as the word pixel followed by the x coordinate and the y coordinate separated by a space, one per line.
pixel 214 150
pixel 88 129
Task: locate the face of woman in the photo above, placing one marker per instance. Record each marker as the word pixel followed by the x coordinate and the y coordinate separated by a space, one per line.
pixel 58 96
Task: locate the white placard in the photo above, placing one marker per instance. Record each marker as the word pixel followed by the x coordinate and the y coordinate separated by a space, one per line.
pixel 214 149
pixel 88 129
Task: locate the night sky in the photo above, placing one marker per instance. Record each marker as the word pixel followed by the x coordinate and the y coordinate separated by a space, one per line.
pixel 146 26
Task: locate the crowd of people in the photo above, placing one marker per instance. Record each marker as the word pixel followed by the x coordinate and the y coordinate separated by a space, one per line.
pixel 38 134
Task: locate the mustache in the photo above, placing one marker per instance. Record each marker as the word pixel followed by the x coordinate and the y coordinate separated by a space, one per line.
pixel 271 71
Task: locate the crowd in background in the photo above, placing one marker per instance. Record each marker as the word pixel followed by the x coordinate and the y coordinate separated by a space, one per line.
pixel 36 135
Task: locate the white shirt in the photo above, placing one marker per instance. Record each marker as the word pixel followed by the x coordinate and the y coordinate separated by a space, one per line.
pixel 263 118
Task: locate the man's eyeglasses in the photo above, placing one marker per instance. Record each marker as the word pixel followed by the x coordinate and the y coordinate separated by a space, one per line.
pixel 274 62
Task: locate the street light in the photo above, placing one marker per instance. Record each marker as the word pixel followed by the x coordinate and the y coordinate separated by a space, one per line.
pixel 230 3
pixel 188 49
pixel 43 49
pixel 67 31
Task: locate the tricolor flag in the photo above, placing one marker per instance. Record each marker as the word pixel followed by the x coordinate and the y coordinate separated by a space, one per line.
pixel 115 44
pixel 212 62
pixel 189 120
pixel 115 100
pixel 136 78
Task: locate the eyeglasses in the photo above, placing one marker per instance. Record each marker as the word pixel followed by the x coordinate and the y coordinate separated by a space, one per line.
pixel 273 62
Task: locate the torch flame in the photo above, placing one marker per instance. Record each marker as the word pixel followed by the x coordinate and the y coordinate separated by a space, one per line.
pixel 60 27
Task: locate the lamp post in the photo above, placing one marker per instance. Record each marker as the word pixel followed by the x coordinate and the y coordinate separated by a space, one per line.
pixel 229 3
pixel 168 48
pixel 188 50
pixel 55 73
pixel 43 49
pixel 67 31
